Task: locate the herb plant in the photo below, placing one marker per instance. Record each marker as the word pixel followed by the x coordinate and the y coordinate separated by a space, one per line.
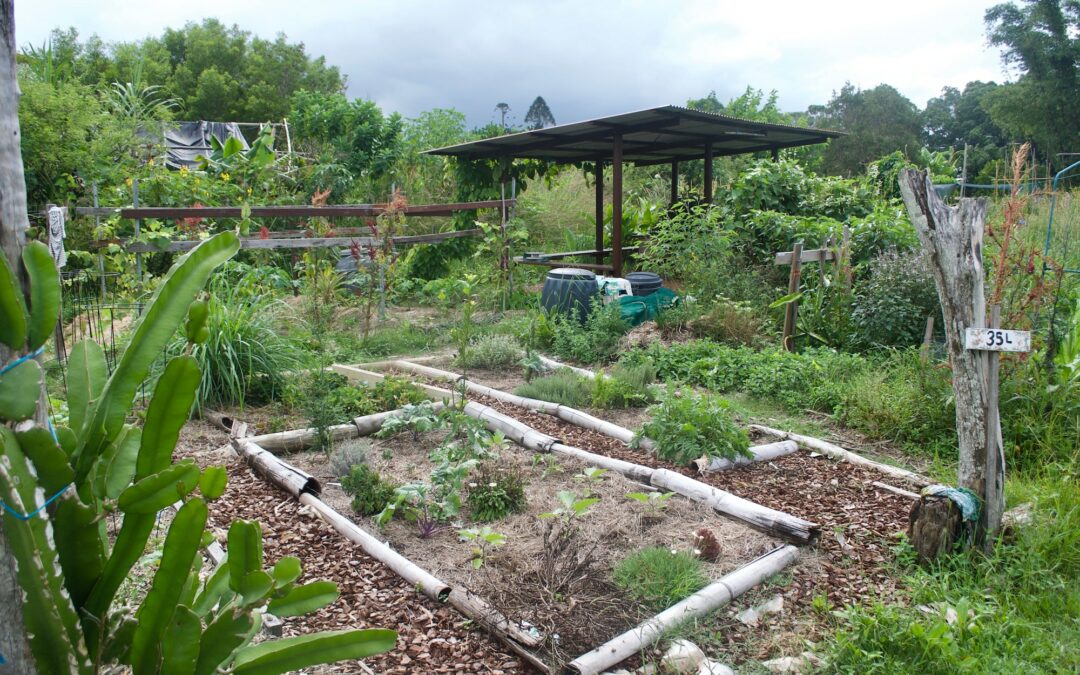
pixel 369 491
pixel 687 425
pixel 495 493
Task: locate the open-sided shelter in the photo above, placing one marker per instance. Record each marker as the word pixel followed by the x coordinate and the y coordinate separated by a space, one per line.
pixel 665 135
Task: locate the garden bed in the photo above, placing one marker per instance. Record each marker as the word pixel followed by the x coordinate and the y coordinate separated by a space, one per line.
pixel 566 594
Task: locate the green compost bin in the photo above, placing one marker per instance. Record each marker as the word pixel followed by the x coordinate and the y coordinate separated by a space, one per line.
pixel 635 309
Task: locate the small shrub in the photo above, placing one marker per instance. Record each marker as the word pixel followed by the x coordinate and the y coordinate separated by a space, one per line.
pixel 345 458
pixel 594 342
pixel 392 393
pixel 495 493
pixel 676 319
pixel 660 577
pixel 893 301
pixel 564 386
pixel 624 387
pixel 686 426
pixel 706 545
pixel 369 491
pixel 490 351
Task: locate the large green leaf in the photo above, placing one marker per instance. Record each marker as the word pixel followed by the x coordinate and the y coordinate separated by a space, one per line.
pixel 214 590
pixel 44 293
pixel 156 611
pixel 245 551
pixel 222 637
pixel 213 482
pixel 155 492
pixel 158 324
pixel 303 599
pixel 82 553
pixel 50 463
pixel 12 308
pixel 168 411
pixel 180 652
pixel 48 613
pixel 281 656
pixel 86 375
pixel 129 547
pixel 117 466
pixel 19 391
pixel 286 570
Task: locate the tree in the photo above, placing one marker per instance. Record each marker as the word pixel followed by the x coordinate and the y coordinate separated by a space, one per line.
pixel 959 117
pixel 539 115
pixel 878 121
pixel 504 109
pixel 1042 39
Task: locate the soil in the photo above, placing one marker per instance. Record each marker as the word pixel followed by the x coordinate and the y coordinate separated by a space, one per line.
pixel 583 614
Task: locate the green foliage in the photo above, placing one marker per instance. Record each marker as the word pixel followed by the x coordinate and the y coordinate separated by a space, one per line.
pixel 687 425
pixel 660 577
pixel 624 387
pixel 564 386
pixel 484 539
pixel 244 357
pixel 570 508
pixel 690 245
pixel 418 418
pixel 730 322
pixel 495 493
pixel 653 501
pixel 596 341
pixel 369 491
pixel 185 622
pixel 490 352
pixel 893 300
pixel 996 613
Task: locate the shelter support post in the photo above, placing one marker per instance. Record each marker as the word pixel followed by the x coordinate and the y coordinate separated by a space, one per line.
pixel 708 173
pixel 599 212
pixel 775 155
pixel 616 206
pixel 674 183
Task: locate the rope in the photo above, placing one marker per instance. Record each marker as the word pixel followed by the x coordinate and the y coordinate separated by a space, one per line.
pixel 24 357
pixel 38 510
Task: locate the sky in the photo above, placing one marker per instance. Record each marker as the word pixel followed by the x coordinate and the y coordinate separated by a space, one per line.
pixel 587 58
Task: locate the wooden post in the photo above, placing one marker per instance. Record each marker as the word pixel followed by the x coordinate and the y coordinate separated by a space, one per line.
pixel 616 206
pixel 599 212
pixel 791 310
pixel 674 183
pixel 952 236
pixel 928 338
pixel 708 173
pixel 138 224
pixel 13 225
pixel 775 155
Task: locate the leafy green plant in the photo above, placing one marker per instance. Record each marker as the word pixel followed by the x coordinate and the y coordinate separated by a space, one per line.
pixel 654 501
pixel 563 386
pixel 484 539
pixel 691 244
pixel 594 342
pixel 687 425
pixel 344 458
pixel 571 507
pixel 893 301
pixel 660 577
pixel 495 494
pixel 624 387
pixel 549 463
pixel 369 491
pixel 418 419
pixel 592 477
pixel 490 352
pixel 100 464
pixel 532 365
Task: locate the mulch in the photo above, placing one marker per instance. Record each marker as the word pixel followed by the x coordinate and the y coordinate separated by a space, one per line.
pixel 432 638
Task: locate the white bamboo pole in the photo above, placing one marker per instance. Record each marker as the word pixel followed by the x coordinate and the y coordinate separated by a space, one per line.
pixel 836 452
pixel 355 374
pixel 708 599
pixel 770 521
pixel 519 432
pixel 760 453
pixel 281 473
pixel 555 365
pixel 635 472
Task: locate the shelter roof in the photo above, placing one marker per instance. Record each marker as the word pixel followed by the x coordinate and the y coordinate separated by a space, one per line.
pixel 653 136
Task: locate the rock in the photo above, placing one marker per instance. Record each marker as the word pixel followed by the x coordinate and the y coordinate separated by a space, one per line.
pixel 709 667
pixel 682 657
pixel 803 663
pixel 751 615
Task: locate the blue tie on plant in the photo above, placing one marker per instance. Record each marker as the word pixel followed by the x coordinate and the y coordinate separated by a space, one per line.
pixel 100 463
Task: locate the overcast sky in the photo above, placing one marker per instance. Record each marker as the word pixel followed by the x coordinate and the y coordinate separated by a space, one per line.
pixel 586 58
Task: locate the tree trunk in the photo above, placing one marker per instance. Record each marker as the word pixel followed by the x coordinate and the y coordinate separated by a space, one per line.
pixel 953 237
pixel 14 648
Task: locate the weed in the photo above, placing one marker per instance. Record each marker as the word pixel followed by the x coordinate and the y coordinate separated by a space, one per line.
pixel 654 501
pixel 369 491
pixel 592 476
pixel 660 577
pixel 687 425
pixel 594 342
pixel 483 539
pixel 495 494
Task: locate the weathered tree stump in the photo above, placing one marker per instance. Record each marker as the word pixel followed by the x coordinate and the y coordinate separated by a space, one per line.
pixel 935 525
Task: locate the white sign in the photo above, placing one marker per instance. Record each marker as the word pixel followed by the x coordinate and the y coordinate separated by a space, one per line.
pixel 998 340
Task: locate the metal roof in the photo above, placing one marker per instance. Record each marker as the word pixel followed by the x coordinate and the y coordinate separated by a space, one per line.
pixel 654 136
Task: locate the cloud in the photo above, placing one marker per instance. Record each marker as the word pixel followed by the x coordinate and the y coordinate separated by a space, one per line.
pixel 587 59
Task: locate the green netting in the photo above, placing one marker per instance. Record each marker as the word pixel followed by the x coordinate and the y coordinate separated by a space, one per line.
pixel 635 309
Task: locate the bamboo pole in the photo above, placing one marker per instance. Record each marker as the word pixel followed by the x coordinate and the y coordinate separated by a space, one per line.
pixel 708 599
pixel 636 472
pixel 836 452
pixel 296 440
pixel 355 374
pixel 895 490
pixel 770 521
pixel 519 432
pixel 281 473
pixel 555 365
pixel 759 453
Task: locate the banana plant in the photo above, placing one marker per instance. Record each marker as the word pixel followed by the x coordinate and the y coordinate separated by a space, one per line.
pixel 58 484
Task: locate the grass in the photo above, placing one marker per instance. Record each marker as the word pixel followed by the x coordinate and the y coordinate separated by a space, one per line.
pixel 660 577
pixel 1016 610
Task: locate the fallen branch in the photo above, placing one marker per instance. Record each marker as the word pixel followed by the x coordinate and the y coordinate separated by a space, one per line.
pixel 708 599
pixel 895 490
pixel 836 452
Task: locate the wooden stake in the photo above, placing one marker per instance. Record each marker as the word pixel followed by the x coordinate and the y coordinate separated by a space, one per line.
pixel 994 505
pixel 790 311
pixel 928 339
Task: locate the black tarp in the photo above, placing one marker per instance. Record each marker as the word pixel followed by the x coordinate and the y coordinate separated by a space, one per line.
pixel 187 140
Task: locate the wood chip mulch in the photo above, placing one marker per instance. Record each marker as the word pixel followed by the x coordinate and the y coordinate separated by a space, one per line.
pixel 432 638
